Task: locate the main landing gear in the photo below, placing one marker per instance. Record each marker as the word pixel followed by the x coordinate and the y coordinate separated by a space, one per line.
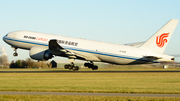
pixel 71 67
pixel 91 65
pixel 15 54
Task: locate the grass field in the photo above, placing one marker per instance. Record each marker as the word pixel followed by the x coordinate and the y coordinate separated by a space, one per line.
pixel 81 98
pixel 164 83
pixel 92 82
pixel 113 68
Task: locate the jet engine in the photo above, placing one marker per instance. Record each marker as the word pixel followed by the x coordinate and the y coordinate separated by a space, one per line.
pixel 40 53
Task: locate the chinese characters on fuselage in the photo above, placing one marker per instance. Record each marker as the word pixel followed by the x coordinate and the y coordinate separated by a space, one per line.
pixel 46 40
pixel 67 42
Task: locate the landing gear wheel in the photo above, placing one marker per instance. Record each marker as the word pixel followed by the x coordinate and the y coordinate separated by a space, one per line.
pixel 76 68
pixel 91 65
pixel 15 54
pixel 86 64
pixel 71 67
pixel 95 68
pixel 66 66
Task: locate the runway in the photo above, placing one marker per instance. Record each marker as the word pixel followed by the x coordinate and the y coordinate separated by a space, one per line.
pixel 86 94
pixel 96 71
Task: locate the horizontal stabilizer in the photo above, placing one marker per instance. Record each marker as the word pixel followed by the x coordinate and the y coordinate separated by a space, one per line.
pixel 175 55
pixel 152 57
pixel 135 44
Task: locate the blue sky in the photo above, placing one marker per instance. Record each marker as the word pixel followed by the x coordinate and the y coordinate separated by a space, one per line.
pixel 114 21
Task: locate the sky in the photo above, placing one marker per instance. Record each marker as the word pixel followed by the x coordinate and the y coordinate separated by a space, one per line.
pixel 113 21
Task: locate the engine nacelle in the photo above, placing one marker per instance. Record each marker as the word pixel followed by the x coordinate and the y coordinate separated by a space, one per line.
pixel 40 53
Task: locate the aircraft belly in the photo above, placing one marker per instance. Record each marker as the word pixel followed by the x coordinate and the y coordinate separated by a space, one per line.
pixel 115 60
pixel 104 57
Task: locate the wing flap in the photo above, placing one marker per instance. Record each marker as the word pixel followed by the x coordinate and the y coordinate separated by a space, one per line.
pixel 87 56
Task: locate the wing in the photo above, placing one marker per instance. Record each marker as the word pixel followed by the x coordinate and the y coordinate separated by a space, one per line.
pixel 55 47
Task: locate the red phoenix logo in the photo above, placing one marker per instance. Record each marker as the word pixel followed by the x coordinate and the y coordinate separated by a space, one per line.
pixel 160 40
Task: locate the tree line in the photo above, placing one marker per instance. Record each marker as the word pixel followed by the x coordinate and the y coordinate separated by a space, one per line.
pixel 3 61
pixel 28 63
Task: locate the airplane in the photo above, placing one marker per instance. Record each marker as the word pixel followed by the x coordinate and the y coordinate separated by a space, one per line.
pixel 43 46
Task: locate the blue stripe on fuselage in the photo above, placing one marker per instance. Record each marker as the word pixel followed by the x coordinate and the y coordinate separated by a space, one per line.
pixel 76 49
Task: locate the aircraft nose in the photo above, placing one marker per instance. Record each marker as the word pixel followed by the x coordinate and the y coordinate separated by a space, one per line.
pixel 8 37
pixel 4 38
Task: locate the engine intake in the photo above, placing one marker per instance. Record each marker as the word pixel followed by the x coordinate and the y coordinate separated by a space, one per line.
pixel 40 53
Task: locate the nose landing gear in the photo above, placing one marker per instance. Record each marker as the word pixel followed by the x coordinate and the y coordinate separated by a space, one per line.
pixel 15 54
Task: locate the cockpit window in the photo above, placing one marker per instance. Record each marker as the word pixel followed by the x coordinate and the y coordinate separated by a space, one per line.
pixel 6 34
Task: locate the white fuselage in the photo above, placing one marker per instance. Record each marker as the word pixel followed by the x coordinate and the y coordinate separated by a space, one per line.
pixel 104 52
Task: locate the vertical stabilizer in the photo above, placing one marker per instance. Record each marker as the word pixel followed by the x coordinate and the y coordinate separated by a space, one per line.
pixel 160 39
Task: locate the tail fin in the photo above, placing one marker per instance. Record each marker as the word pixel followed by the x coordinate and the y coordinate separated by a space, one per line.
pixel 160 39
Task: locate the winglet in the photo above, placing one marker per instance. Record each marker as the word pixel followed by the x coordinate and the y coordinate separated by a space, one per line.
pixel 160 39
